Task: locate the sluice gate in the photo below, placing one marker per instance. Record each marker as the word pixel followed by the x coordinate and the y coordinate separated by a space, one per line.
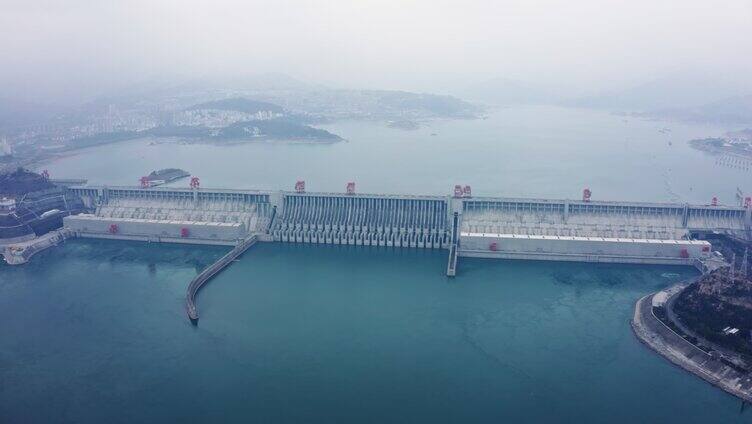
pixel 362 220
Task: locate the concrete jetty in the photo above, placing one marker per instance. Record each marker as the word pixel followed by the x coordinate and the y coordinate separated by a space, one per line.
pixel 204 276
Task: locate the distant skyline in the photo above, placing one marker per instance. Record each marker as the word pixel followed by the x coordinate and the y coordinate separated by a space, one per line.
pixel 74 50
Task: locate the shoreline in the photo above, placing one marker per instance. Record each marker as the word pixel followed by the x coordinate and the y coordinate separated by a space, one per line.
pixel 20 253
pixel 51 156
pixel 664 341
pixel 706 145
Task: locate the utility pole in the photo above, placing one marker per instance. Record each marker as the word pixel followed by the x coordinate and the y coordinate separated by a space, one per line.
pixel 731 268
pixel 744 264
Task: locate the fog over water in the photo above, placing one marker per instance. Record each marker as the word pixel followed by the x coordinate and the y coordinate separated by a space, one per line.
pixel 74 50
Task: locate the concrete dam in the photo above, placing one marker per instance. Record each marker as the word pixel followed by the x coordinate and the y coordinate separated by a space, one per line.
pixel 467 226
pixel 171 215
pixel 545 229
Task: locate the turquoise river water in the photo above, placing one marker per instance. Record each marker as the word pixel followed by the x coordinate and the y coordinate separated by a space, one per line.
pixel 95 331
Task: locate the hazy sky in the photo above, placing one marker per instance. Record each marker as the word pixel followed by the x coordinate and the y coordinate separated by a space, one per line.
pixel 78 47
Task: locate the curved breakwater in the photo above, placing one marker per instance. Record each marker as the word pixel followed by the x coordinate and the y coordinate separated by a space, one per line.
pixel 207 274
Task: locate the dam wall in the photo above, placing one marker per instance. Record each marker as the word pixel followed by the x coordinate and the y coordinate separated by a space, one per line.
pixel 513 228
pixel 84 225
pixel 584 249
pixel 601 219
pixel 171 214
pixel 590 231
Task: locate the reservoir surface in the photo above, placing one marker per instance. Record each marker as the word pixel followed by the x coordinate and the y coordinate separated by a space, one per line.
pixel 95 331
pixel 533 151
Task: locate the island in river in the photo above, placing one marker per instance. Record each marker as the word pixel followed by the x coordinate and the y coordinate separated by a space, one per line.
pixel 266 130
pixel 206 112
pixel 406 125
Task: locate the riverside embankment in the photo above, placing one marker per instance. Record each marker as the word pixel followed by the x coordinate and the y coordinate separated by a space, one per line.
pixel 657 336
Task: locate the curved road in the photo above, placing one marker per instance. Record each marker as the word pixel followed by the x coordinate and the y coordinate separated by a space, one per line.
pixel 660 338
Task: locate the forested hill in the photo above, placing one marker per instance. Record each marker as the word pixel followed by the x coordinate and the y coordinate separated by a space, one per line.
pixel 20 182
pixel 239 104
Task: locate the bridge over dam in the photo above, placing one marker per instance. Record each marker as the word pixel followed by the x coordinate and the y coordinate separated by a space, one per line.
pixel 466 226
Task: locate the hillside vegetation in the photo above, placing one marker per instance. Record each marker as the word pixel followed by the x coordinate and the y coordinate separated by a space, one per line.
pixel 715 302
pixel 21 181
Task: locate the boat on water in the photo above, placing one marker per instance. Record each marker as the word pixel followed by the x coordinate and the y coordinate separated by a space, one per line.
pixel 163 176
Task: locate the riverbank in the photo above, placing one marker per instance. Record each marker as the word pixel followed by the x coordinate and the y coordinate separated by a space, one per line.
pixel 21 252
pixel 663 340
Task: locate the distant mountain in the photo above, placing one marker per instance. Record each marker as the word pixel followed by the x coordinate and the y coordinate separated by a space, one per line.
pixel 265 81
pixel 239 104
pixel 334 104
pixel 241 83
pixel 16 113
pixel 670 92
pixel 307 101
pixel 505 91
pixel 439 105
pixel 187 91
pixel 735 110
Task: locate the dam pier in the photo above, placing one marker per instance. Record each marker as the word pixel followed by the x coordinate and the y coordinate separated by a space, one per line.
pixel 582 230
